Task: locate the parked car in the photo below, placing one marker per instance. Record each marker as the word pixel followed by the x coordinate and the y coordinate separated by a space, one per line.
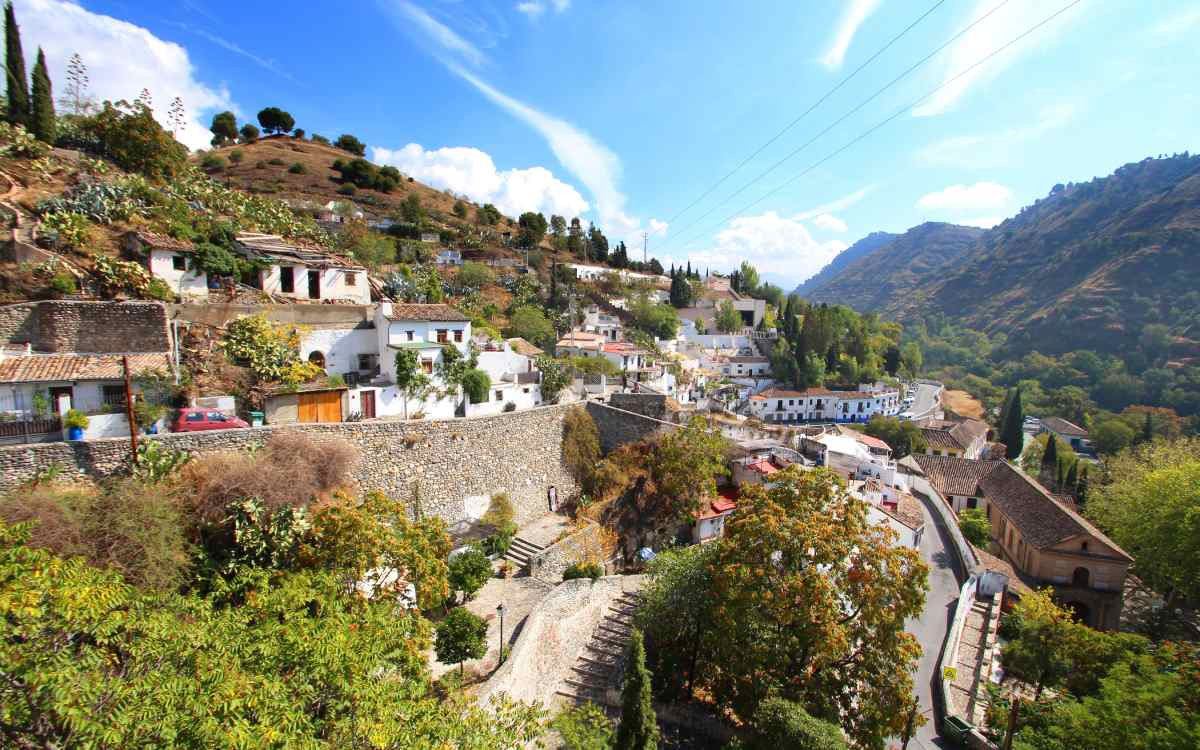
pixel 194 420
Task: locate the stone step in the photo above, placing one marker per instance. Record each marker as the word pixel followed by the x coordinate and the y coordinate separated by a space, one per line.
pixel 607 650
pixel 607 662
pixel 598 686
pixel 525 545
pixel 620 632
pixel 610 640
pixel 602 672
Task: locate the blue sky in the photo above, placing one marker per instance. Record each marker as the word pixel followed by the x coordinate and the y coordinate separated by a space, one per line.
pixel 626 112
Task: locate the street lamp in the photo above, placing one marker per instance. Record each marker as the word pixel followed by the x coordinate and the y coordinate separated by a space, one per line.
pixel 500 611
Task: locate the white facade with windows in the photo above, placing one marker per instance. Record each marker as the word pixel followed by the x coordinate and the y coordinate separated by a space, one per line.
pixel 820 404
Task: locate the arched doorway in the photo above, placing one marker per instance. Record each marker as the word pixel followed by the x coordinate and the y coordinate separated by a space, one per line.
pixel 1081 578
pixel 318 359
pixel 1082 612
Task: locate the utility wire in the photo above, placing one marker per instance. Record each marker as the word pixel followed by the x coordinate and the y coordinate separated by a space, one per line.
pixel 806 112
pixel 899 112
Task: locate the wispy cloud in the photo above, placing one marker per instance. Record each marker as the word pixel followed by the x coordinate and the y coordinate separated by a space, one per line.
pixel 778 244
pixel 588 160
pixel 1177 25
pixel 439 33
pixel 535 8
pixel 1002 27
pixel 262 62
pixel 841 204
pixel 984 150
pixel 855 14
pixel 981 195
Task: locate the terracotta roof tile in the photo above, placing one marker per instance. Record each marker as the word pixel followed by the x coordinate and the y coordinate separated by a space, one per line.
pixel 1063 427
pixel 435 313
pixel 68 367
pixel 954 476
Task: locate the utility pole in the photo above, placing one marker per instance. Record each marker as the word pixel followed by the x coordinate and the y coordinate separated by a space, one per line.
pixel 133 446
pixel 645 238
pixel 1012 722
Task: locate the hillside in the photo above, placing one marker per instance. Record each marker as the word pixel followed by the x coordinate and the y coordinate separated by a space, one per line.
pixel 1100 259
pixel 842 260
pixel 875 280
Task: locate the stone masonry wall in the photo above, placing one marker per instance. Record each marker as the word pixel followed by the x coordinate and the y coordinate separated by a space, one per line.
pixel 618 428
pixel 457 464
pixel 16 323
pixel 584 545
pixel 101 327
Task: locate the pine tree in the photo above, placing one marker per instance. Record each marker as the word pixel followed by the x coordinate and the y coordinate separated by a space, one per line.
pixel 1148 429
pixel 14 63
pixel 1012 430
pixel 639 726
pixel 42 116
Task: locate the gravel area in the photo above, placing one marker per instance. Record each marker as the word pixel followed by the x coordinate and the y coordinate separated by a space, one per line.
pixel 520 596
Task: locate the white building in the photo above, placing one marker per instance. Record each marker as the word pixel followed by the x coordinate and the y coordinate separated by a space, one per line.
pixel 515 380
pixel 742 366
pixel 823 405
pixel 449 257
pixel 859 456
pixel 171 260
pixel 592 273
pixel 304 274
pixel 608 326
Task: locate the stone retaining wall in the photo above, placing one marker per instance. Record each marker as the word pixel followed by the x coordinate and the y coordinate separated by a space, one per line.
pixel 457 464
pixel 549 564
pixel 101 327
pixel 618 428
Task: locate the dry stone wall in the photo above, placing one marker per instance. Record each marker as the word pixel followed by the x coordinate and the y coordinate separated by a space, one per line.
pixel 456 464
pixel 93 327
pixel 620 424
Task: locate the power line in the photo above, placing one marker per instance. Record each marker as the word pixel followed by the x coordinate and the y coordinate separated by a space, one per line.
pixel 899 112
pixel 806 112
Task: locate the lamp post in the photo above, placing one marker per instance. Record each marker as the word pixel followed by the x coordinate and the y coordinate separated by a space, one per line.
pixel 500 611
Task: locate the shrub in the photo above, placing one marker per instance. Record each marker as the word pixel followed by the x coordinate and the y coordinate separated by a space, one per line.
pixel 158 289
pixel 270 351
pixel 127 526
pixel 347 142
pixel 780 723
pixel 260 164
pixel 584 727
pixel 476 383
pixel 469 570
pixel 212 162
pixel 249 133
pixel 510 406
pixel 474 275
pixel 975 527
pixel 581 443
pixel 347 190
pixel 63 283
pixel 461 636
pixel 129 135
pixel 583 570
pixel 65 229
pixel 236 156
pixel 75 418
pixel 500 513
pixel 277 162
pixel 289 472
pixel 15 140
pixel 318 138
pixel 298 168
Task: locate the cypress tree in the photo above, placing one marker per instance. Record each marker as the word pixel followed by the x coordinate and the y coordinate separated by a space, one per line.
pixel 639 726
pixel 14 64
pixel 1148 429
pixel 1050 459
pixel 42 116
pixel 1072 481
pixel 1081 489
pixel 1012 430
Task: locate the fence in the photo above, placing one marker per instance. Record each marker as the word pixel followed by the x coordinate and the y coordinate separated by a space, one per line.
pixel 30 429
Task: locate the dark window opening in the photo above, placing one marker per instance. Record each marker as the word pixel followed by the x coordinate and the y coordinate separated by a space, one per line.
pixel 287 280
pixel 113 395
pixel 178 262
pixel 318 359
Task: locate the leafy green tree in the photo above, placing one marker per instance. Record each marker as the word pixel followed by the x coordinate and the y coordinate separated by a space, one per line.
pixel 533 229
pixel 474 275
pixel 468 571
pixel 558 226
pixel 555 376
pixel 411 381
pixel 275 120
pixel 249 133
pixel 1049 463
pixel 728 319
pixel 685 465
pixel 826 594
pixel 638 728
pixel 653 318
pixel 781 724
pixel 530 323
pixel 460 209
pixel 411 210
pixel 224 128
pixel 747 279
pixel 911 359
pixel 597 244
pixel 1152 509
pixel 14 63
pixel 584 727
pixel 129 135
pixel 975 527
pixel 460 636
pixel 487 214
pixel 902 436
pixel 41 121
pixel 476 383
pixel 347 142
pixel 1112 436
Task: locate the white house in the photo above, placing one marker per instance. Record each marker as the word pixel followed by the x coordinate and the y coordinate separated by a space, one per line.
pixel 821 404
pixel 742 366
pixel 449 257
pixel 338 212
pixel 965 438
pixel 515 380
pixel 171 260
pixel 304 274
pixel 593 273
pixel 580 344
pixel 859 456
pixel 604 324
pixel 709 522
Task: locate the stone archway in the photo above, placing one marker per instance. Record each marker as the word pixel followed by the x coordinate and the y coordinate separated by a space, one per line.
pixel 1081 578
pixel 1082 612
pixel 317 358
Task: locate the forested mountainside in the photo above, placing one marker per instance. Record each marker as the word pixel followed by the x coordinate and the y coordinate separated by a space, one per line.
pixel 896 268
pixel 1086 267
pixel 842 260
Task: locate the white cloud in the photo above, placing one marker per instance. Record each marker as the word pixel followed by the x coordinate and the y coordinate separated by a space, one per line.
pixel 781 245
pixel 471 172
pixel 122 59
pixel 999 29
pixel 957 198
pixel 856 12
pixel 830 223
pixel 657 227
pixel 981 151
pixel 1177 25
pixel 840 204
pixel 262 62
pixel 983 222
pixel 440 33
pixel 535 8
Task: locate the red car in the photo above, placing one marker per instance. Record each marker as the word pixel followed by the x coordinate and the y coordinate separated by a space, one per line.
pixel 195 420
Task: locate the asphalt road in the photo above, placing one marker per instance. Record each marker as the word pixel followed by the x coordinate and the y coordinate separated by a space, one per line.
pixel 930 628
pixel 925 400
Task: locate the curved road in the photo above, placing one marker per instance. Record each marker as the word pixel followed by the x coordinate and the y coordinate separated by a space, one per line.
pixel 925 400
pixel 931 627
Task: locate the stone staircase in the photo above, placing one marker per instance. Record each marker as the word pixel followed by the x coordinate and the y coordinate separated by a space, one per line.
pixel 597 673
pixel 520 552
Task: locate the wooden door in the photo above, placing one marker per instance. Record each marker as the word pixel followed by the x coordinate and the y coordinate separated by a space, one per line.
pixel 323 406
pixel 367 399
pixel 314 285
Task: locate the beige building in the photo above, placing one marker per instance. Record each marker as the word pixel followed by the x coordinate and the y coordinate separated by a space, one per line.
pixel 304 274
pixel 1045 540
pixel 962 439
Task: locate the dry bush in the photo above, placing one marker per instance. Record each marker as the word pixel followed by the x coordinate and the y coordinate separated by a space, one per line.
pixel 500 513
pixel 133 528
pixel 292 470
pixel 581 444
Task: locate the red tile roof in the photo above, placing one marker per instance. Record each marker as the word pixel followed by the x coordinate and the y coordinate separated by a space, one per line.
pixel 438 313
pixel 872 442
pixel 41 368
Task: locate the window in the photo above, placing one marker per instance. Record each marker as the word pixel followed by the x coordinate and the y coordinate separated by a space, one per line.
pixel 215 416
pixel 178 262
pixel 499 395
pixel 524 390
pixel 113 395
pixel 1083 546
pixel 317 358
pixel 442 335
pixel 427 366
pixel 458 337
pixel 195 416
pixel 368 362
pixel 351 278
pixel 287 280
pixel 408 335
pixel 972 502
